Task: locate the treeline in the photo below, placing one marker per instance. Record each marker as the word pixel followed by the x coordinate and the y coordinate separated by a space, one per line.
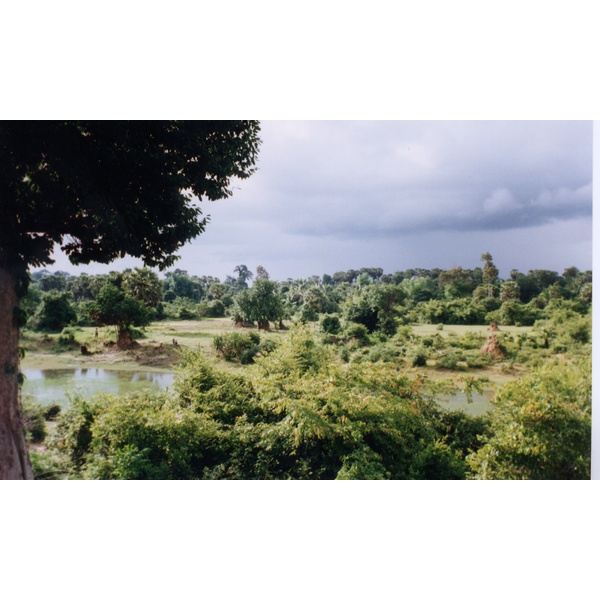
pixel 367 297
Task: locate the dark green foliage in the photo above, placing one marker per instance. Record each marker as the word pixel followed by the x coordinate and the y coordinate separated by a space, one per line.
pixel 462 311
pixel 514 312
pixel 106 188
pixel 374 307
pixel 55 313
pixel 34 422
pixel 113 307
pixel 143 285
pixel 261 303
pixel 52 411
pixel 215 309
pixel 356 332
pixel 330 324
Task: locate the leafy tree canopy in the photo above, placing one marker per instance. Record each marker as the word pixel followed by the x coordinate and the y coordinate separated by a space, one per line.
pixel 103 189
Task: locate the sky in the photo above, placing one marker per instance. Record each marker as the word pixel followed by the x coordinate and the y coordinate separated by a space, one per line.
pixel 336 195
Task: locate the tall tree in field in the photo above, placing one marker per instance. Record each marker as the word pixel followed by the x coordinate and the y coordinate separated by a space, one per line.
pixel 490 272
pixel 100 190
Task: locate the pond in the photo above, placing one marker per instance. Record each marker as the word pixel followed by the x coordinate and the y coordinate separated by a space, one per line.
pixel 479 405
pixel 51 386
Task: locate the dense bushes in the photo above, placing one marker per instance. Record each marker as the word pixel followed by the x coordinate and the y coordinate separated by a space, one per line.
pixel 540 427
pixel 55 313
pixel 300 414
pixel 241 347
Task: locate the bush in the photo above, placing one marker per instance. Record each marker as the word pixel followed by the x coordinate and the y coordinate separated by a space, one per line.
pixel 240 347
pixel 418 358
pixel 55 313
pixel 540 427
pixel 330 324
pixel 356 331
pixel 451 360
pixel 34 422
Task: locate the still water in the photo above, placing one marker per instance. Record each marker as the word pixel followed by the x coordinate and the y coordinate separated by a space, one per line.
pixel 50 386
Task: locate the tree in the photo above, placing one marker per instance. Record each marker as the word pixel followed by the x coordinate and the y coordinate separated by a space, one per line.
pixel 143 285
pixel 261 273
pixel 244 275
pixel 101 190
pixel 260 303
pixel 114 307
pixel 510 290
pixel 490 272
pixel 55 313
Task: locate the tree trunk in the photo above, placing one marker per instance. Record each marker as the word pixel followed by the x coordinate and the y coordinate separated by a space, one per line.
pixel 14 458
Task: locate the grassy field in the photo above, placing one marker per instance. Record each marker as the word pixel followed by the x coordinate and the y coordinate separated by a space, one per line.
pixel 449 330
pixel 155 349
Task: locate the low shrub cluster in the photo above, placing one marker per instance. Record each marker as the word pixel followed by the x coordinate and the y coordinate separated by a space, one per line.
pixel 241 347
pixel 299 414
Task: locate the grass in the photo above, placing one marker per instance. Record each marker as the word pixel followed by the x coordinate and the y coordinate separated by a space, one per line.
pixel 424 330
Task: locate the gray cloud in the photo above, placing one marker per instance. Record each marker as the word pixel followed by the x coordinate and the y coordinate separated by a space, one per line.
pixel 333 195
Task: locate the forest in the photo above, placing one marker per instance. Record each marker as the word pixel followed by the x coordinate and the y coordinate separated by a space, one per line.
pixel 349 375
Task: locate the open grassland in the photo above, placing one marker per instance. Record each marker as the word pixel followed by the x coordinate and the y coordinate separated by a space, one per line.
pixel 449 330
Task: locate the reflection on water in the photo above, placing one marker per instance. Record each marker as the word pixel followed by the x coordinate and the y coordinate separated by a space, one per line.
pixel 50 386
pixel 480 402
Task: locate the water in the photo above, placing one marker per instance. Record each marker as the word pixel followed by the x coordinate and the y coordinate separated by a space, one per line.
pixel 50 386
pixel 480 404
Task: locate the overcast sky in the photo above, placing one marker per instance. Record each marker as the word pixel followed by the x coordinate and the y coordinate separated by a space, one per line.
pixel 338 195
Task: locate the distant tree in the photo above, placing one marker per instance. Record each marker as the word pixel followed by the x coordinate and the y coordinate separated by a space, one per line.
pixel 112 306
pixel 55 313
pixel 101 190
pixel 217 290
pixel 182 285
pixel 143 285
pixel 81 287
pixel 490 272
pixel 244 275
pixel 261 303
pixel 456 283
pixel 54 282
pixel 261 273
pixel 510 290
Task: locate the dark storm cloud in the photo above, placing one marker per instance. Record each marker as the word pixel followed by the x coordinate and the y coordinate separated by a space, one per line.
pixel 334 195
pixel 385 178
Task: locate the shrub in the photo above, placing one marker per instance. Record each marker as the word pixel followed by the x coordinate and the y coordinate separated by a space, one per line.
pixel 241 347
pixel 55 313
pixel 52 411
pixel 356 331
pixel 34 422
pixel 451 360
pixel 540 427
pixel 418 358
pixel 330 324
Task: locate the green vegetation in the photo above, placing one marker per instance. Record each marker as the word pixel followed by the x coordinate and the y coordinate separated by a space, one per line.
pixel 371 376
pixel 101 190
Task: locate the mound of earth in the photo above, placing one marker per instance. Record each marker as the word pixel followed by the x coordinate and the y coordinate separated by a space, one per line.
pixel 492 347
pixel 162 355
